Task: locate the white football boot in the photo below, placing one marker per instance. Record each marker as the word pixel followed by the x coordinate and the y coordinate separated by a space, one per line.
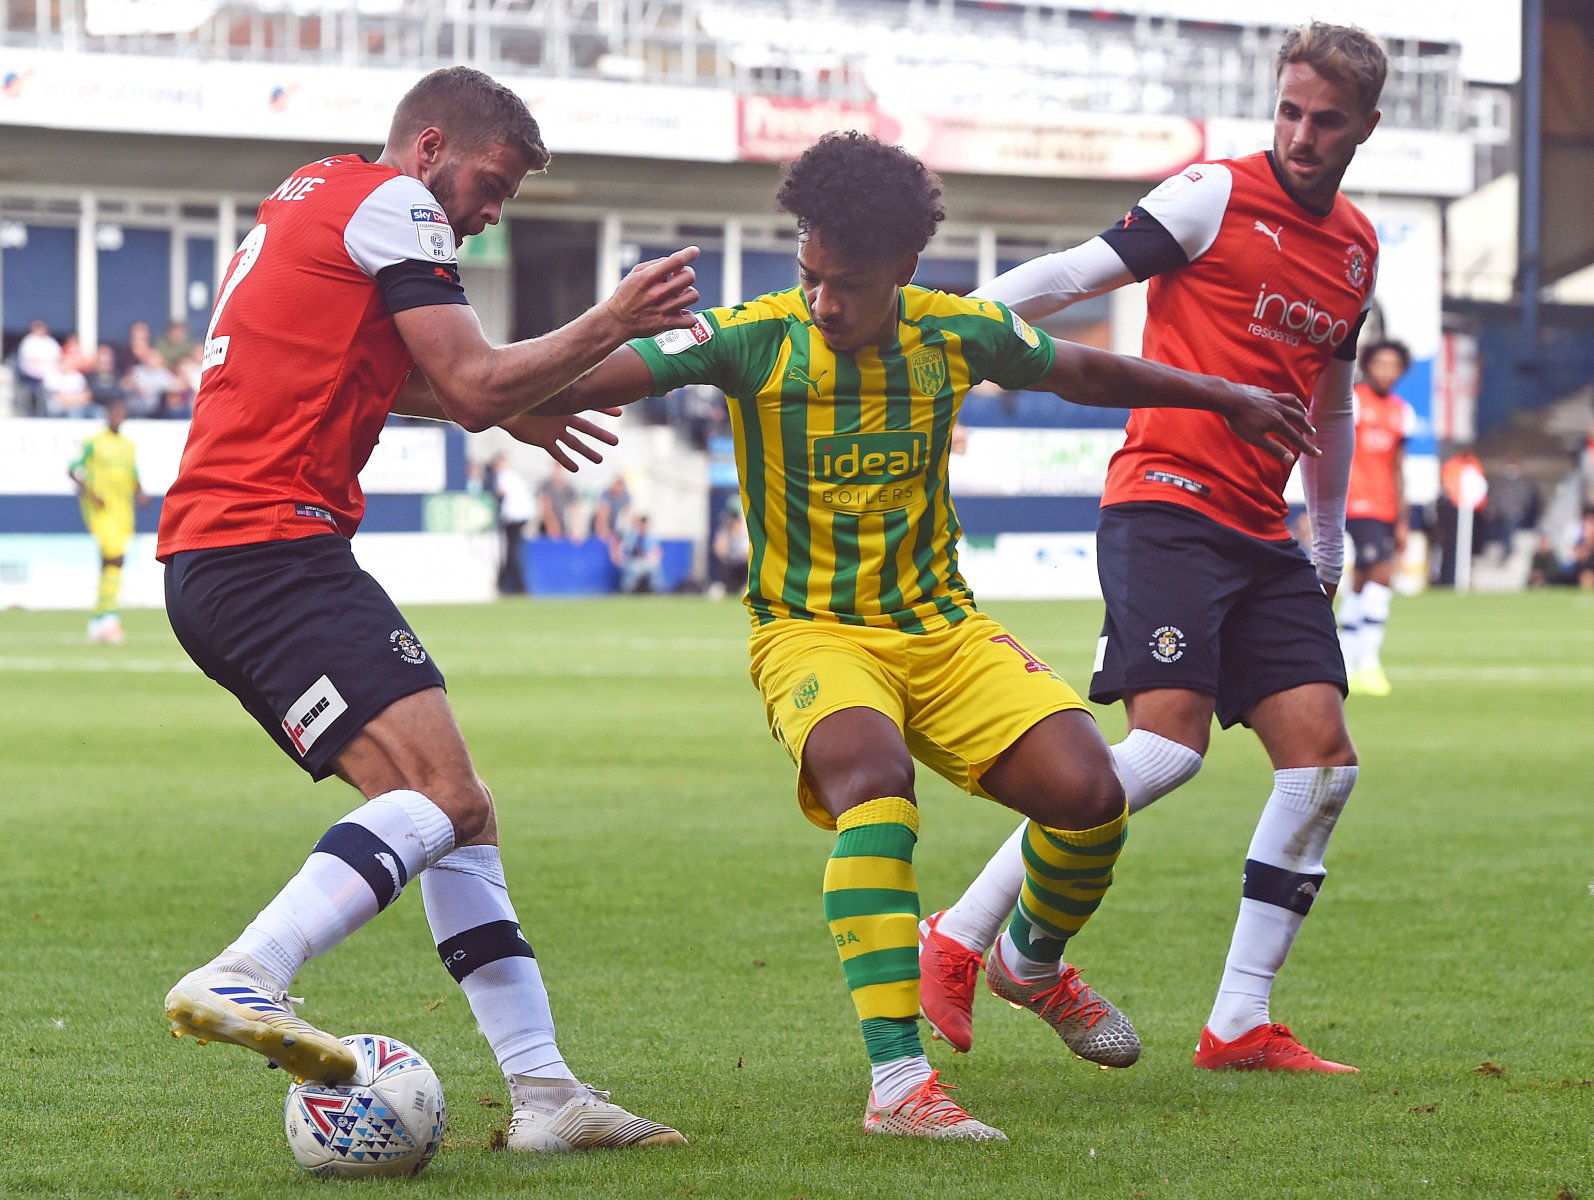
pixel 230 1001
pixel 555 1115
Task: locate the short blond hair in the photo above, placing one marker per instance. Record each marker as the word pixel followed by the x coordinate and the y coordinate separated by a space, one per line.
pixel 1346 53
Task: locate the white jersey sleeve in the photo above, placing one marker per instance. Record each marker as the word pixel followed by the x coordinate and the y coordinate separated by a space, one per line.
pixel 400 237
pixel 399 221
pixel 1191 205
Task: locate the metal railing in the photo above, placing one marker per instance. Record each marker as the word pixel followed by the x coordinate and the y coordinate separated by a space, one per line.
pixel 1029 52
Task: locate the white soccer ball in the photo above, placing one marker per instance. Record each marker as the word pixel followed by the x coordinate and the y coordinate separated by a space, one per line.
pixel 387 1120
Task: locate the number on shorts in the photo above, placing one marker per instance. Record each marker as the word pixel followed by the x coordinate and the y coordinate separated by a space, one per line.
pixel 1031 663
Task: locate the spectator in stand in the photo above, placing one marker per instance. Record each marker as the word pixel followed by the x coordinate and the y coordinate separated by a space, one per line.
pixel 74 357
pixel 139 347
pixel 515 512
pixel 1546 569
pixel 1514 505
pixel 1583 556
pixel 147 381
pixel 731 553
pixel 38 355
pixel 105 382
pixel 610 519
pixel 556 499
pixel 640 559
pixel 174 345
pixel 66 391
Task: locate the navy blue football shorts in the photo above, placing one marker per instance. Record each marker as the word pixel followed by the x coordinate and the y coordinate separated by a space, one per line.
pixel 1374 540
pixel 1194 604
pixel 308 642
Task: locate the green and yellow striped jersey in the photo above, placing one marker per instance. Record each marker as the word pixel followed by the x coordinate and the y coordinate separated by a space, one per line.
pixel 843 457
pixel 108 467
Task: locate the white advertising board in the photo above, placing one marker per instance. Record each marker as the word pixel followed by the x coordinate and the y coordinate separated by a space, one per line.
pixel 336 105
pixel 1034 462
pixel 61 570
pixel 36 451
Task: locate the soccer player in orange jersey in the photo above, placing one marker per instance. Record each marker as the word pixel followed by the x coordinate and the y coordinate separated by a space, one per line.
pixel 1260 271
pixel 1375 513
pixel 344 304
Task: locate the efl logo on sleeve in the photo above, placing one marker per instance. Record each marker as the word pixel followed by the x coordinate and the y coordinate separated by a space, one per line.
pixel 678 341
pixel 312 713
pixel 434 232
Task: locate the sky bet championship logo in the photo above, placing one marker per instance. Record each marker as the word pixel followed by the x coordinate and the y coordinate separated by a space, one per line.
pixel 870 472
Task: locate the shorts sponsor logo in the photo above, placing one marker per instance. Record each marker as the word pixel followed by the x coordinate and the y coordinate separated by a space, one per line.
pixel 1023 329
pixel 869 472
pixel 407 646
pixel 1101 654
pixel 806 692
pixel 312 714
pixel 678 341
pixel 927 370
pixel 1167 644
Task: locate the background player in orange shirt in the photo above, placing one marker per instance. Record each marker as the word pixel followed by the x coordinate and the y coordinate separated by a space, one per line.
pixel 1375 513
pixel 1262 272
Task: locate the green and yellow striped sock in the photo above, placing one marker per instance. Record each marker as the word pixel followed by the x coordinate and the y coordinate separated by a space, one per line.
pixel 872 905
pixel 1066 873
pixel 110 588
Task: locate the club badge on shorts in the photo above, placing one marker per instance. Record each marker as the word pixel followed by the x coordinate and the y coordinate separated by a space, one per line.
pixel 407 646
pixel 1167 644
pixel 806 692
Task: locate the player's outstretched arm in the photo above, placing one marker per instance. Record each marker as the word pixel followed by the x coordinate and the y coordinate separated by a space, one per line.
pixel 622 378
pixel 1275 421
pixel 479 385
pixel 561 435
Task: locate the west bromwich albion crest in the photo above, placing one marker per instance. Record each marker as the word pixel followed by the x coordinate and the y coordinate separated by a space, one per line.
pixel 927 369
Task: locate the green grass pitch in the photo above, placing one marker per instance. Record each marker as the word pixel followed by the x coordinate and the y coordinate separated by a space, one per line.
pixel 671 889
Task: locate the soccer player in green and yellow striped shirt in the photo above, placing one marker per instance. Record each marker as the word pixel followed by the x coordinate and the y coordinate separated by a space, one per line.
pixel 866 643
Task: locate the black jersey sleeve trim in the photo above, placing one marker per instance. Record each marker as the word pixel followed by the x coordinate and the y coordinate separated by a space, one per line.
pixel 416 284
pixel 1145 244
pixel 1346 350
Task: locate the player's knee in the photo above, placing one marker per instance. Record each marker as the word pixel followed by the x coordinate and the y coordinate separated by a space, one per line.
pixel 469 806
pixel 1097 799
pixel 1340 752
pixel 863 782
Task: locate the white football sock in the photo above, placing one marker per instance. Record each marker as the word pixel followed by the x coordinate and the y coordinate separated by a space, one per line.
pixel 1149 766
pixel 1350 628
pixel 897 1079
pixel 357 869
pixel 1375 615
pixel 980 912
pixel 479 940
pixel 1283 872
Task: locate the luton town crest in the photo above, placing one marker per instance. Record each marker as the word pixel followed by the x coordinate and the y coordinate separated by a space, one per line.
pixel 927 369
pixel 1355 265
pixel 806 692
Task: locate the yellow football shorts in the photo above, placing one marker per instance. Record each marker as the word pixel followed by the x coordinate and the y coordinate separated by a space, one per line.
pixel 961 696
pixel 112 528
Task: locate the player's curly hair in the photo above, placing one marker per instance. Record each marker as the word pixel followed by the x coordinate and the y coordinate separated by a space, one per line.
pixel 1400 348
pixel 862 196
pixel 473 108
